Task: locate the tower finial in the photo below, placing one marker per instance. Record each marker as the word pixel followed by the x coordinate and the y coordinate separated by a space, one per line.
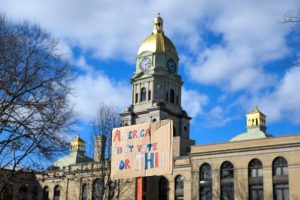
pixel 158 24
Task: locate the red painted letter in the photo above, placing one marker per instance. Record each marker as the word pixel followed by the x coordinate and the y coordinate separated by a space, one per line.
pixel 117 135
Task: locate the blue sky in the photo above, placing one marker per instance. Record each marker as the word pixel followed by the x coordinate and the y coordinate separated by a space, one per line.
pixel 233 55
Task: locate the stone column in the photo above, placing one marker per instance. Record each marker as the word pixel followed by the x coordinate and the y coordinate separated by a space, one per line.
pixel 171 190
pixel 294 181
pixel 195 185
pixel 241 183
pixel 268 182
pixel 216 184
pixel 187 190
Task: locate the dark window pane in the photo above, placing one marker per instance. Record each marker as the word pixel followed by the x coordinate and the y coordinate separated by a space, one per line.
pixel 163 188
pixel 255 168
pixel 45 193
pixel 35 193
pixel 227 170
pixel 256 192
pixel 97 190
pixel 286 193
pixel 6 193
pixel 284 170
pixel 84 192
pixel 143 94
pixel 280 167
pixel 227 192
pixel 56 195
pixel 149 95
pixel 260 172
pixel 205 192
pixel 112 187
pixel 205 172
pixel 281 191
pixel 172 96
pixel 22 193
pixel 179 188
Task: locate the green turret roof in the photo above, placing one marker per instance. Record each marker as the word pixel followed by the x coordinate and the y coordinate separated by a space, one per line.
pixel 253 133
pixel 76 155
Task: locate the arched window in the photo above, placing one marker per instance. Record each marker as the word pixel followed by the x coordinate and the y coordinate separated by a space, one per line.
pixel 98 189
pixel 22 193
pixel 45 193
pixel 280 179
pixel 256 188
pixel 172 96
pixel 56 195
pixel 6 193
pixel 143 94
pixel 163 188
pixel 227 181
pixel 205 182
pixel 84 191
pixel 35 193
pixel 179 188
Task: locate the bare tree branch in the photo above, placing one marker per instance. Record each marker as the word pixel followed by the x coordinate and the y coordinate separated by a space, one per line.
pixel 34 86
pixel 291 17
pixel 105 120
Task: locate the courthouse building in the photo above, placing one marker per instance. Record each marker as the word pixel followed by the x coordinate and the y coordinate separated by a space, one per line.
pixel 253 165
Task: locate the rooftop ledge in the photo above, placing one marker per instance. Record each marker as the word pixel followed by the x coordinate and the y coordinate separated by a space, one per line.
pixel 269 142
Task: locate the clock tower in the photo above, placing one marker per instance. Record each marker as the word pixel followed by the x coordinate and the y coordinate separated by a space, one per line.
pixel 156 88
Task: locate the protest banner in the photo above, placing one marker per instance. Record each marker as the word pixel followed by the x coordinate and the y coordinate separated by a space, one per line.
pixel 142 150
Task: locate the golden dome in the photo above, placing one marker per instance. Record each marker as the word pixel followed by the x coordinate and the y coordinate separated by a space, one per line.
pixel 157 42
pixel 77 143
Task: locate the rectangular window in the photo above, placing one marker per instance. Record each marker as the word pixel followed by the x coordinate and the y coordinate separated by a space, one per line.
pixel 136 97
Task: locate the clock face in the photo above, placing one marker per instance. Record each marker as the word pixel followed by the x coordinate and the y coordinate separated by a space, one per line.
pixel 145 64
pixel 171 65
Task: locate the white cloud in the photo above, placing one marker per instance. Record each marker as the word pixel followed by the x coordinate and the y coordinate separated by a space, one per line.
pixel 216 118
pixel 284 102
pixel 193 102
pixel 93 88
pixel 252 36
pixel 250 31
